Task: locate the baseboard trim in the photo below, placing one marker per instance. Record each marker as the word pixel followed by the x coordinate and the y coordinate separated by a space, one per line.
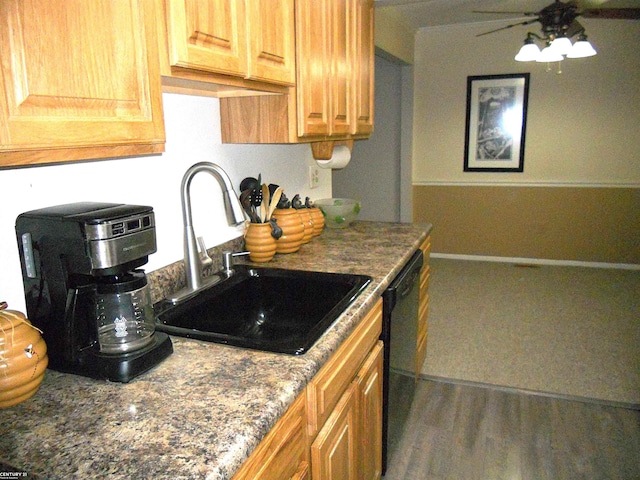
pixel 507 389
pixel 536 261
pixel 526 184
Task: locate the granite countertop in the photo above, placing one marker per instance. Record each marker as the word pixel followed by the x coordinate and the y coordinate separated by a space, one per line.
pixel 201 412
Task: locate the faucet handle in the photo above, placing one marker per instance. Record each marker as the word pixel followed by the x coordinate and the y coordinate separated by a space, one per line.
pixel 205 259
pixel 227 260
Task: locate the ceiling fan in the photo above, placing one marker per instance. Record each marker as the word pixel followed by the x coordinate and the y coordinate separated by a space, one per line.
pixel 558 24
pixel 559 18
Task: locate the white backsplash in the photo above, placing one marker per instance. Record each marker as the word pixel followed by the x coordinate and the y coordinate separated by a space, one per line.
pixel 193 135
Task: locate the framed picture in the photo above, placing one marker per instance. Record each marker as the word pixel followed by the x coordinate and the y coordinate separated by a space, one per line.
pixel 496 120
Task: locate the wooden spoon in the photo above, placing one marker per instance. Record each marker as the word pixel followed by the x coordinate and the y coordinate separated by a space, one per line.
pixel 275 199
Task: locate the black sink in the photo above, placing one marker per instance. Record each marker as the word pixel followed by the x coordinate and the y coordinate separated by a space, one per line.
pixel 268 309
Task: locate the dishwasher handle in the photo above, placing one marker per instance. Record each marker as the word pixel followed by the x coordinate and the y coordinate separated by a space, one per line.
pixel 404 282
pixel 405 288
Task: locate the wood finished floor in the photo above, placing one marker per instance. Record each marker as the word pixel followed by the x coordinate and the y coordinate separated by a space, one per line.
pixel 460 432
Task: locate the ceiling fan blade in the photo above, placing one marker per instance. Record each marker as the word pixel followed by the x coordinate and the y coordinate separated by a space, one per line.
pixel 612 13
pixel 508 26
pixel 526 14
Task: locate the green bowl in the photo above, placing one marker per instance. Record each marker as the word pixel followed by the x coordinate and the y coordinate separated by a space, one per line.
pixel 338 212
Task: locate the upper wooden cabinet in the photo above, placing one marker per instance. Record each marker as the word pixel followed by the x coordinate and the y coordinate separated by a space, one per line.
pixel 325 53
pixel 364 68
pixel 271 37
pixel 78 80
pixel 230 43
pixel 333 96
pixel 207 35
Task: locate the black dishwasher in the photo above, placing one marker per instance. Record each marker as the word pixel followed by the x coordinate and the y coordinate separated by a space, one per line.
pixel 399 317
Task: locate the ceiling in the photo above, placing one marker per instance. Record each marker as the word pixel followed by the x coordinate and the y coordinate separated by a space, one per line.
pixel 430 13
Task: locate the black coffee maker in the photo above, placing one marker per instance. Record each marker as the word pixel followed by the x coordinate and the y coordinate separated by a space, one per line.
pixel 85 291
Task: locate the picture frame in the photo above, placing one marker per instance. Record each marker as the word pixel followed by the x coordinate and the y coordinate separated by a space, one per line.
pixel 496 122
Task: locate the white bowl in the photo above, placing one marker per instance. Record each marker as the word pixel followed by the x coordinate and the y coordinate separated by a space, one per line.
pixel 338 212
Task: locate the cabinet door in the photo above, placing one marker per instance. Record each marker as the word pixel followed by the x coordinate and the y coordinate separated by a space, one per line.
pixel 423 309
pixel 283 453
pixel 271 38
pixel 327 37
pixel 370 415
pixel 313 66
pixel 79 80
pixel 342 52
pixel 363 68
pixel 334 451
pixel 208 35
pixel 327 387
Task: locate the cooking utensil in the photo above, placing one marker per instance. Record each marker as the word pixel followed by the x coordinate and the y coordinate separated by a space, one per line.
pixel 266 199
pixel 263 212
pixel 256 197
pixel 275 199
pixel 245 201
pixel 248 183
pixel 256 201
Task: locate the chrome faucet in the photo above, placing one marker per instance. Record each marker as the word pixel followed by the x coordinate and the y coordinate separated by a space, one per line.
pixel 195 260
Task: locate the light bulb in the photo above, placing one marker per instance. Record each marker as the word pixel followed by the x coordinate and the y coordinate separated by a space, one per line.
pixel 562 45
pixel 528 53
pixel 582 48
pixel 548 54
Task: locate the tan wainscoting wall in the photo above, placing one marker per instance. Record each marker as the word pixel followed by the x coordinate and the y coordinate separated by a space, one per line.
pixel 598 224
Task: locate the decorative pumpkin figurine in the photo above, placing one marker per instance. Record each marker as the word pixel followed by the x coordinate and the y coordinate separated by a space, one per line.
pixel 23 357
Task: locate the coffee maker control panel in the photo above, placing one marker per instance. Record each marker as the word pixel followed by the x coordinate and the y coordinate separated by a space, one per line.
pixel 94 238
pixel 119 227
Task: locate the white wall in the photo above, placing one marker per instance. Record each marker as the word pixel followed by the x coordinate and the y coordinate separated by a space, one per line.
pixel 193 135
pixel 582 125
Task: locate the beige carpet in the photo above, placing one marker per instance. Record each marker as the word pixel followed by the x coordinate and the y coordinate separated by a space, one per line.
pixel 570 331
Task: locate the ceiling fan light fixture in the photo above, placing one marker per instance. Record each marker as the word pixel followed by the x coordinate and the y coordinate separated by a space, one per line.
pixel 548 54
pixel 582 48
pixel 529 51
pixel 562 45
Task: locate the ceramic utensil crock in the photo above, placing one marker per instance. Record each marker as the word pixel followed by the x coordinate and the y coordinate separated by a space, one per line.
pixel 23 358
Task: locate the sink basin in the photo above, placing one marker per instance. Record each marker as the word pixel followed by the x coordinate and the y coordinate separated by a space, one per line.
pixel 268 309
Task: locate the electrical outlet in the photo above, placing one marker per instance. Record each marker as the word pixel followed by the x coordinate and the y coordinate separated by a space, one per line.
pixel 314 177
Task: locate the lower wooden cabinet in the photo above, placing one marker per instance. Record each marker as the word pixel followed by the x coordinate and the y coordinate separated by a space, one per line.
pixel 333 431
pixel 423 309
pixel 345 407
pixel 349 445
pixel 369 408
pixel 326 388
pixel 284 453
pixel 334 453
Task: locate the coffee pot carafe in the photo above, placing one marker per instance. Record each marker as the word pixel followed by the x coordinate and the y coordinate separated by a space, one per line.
pixel 85 290
pixel 124 313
